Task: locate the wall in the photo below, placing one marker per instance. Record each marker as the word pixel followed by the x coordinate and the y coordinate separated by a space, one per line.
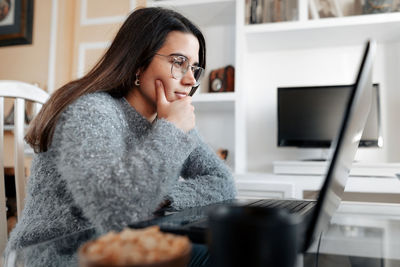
pixel 95 25
pixel 29 63
pixel 65 34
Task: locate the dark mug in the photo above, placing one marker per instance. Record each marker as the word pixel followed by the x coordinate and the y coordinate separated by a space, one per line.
pixel 253 236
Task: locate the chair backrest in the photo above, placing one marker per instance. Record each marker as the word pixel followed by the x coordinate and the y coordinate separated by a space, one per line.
pixel 19 91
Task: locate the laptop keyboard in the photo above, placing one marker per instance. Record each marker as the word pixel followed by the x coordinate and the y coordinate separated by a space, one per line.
pixel 193 222
pixel 293 206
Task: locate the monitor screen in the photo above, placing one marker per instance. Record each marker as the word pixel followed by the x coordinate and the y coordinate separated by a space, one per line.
pixel 311 116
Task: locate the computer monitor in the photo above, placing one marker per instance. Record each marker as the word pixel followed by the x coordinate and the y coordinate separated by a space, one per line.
pixel 309 116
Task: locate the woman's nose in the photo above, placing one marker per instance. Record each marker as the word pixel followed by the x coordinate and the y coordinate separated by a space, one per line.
pixel 188 78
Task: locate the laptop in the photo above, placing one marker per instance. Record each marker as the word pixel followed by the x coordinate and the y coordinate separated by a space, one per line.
pixel 314 215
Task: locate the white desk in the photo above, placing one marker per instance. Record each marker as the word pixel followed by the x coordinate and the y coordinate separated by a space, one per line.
pixel 256 185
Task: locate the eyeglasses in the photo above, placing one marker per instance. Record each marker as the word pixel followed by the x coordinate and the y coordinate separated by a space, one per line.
pixel 180 66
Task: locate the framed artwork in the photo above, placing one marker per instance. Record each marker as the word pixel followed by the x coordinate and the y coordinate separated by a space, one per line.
pixel 16 19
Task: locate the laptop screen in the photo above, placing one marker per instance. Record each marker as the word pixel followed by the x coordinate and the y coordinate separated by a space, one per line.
pixel 344 147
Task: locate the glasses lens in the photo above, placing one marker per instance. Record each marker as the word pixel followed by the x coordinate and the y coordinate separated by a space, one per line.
pixel 179 67
pixel 198 73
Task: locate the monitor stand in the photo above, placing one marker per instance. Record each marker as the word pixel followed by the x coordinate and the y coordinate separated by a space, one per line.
pixel 316 159
pixel 324 156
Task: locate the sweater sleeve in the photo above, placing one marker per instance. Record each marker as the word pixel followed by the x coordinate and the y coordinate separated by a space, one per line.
pixel 115 185
pixel 207 179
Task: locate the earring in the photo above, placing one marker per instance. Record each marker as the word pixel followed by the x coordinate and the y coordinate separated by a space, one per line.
pixel 137 82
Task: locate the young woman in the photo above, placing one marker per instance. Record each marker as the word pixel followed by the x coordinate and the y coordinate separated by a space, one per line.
pixel 112 146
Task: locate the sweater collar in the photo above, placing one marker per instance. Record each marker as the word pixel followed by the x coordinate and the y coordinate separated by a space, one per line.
pixel 134 118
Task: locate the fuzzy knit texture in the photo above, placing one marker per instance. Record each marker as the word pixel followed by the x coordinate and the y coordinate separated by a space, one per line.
pixel 108 166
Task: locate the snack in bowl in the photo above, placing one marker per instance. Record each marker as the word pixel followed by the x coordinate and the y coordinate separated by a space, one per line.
pixel 136 247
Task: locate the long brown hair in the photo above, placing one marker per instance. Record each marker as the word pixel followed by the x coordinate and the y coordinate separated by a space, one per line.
pixel 139 38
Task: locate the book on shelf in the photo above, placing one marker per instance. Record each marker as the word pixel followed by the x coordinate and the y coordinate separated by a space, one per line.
pixel 247 11
pixel 256 11
pixel 266 11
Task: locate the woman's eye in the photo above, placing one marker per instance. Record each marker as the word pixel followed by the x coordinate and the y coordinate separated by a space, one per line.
pixel 178 63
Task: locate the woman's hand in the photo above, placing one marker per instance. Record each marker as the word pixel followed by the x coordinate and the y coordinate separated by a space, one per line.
pixel 179 112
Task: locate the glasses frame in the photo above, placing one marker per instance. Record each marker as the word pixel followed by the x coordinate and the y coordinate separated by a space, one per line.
pixel 173 59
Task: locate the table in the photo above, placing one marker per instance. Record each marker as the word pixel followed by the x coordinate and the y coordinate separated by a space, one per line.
pixel 360 234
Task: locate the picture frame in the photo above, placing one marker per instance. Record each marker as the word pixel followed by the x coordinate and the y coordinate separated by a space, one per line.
pixel 16 22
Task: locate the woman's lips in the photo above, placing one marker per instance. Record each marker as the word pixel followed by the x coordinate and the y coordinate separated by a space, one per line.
pixel 180 94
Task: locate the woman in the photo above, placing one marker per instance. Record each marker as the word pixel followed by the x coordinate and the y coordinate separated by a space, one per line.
pixel 112 145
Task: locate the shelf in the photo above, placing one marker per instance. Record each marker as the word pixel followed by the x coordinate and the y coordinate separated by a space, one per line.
pixel 214 101
pixel 328 32
pixel 214 97
pixel 319 168
pixel 203 12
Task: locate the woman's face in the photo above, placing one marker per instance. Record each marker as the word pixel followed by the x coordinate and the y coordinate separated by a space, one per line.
pixel 177 44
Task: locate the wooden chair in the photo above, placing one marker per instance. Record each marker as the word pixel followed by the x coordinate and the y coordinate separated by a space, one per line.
pixel 19 91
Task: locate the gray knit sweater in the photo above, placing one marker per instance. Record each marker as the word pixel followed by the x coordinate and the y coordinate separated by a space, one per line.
pixel 108 166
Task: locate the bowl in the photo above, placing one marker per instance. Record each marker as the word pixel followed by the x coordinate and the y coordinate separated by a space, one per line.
pixel 112 252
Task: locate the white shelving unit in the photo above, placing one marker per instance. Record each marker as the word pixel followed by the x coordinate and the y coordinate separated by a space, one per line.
pixel 324 32
pixel 263 185
pixel 267 55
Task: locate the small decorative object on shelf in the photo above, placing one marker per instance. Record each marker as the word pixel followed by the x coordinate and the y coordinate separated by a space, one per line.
pixel 222 79
pixel 325 9
pixel 222 153
pixel 380 6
